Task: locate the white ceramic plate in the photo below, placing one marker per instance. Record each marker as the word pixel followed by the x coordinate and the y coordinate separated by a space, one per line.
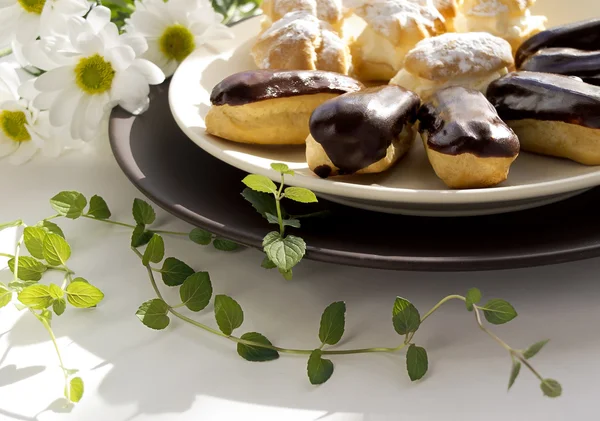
pixel 411 186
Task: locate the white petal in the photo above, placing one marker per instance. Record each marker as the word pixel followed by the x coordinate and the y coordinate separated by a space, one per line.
pixel 35 137
pixel 170 67
pixel 89 44
pixel 56 79
pixel 98 17
pixel 12 106
pixel 148 24
pixel 37 56
pixel 7 147
pixel 151 71
pixel 24 153
pixel 28 27
pixel 110 35
pixel 27 90
pixel 6 3
pixel 120 57
pixel 78 123
pixel 138 43
pixel 8 22
pixel 96 110
pixel 131 91
pixel 9 80
pixel 63 108
pixel 44 100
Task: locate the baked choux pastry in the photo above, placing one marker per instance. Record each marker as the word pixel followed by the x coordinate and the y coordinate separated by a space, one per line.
pixel 552 114
pixel 466 142
pixel 361 132
pixel 271 107
pixel 508 19
pixel 580 35
pixel 471 60
pixel 300 41
pixel 566 61
pixel 393 28
pixel 330 11
pixel 449 10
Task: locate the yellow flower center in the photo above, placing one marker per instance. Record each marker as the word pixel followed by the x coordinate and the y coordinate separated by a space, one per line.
pixel 94 75
pixel 33 6
pixel 12 124
pixel 177 42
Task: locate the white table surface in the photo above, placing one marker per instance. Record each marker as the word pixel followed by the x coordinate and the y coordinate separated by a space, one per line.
pixel 134 373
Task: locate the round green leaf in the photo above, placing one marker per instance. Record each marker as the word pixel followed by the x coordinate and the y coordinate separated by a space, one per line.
pixel 5 295
pixel 551 388
pixel 155 250
pixel 34 241
pixel 284 252
pixel 98 208
pixel 153 314
pixel 143 213
pixel 333 322
pixel 319 369
pixel 228 313
pixel 69 204
pixel 416 362
pixel 55 291
pixel 498 311
pixel 405 316
pixel 30 269
pixel 282 168
pixel 260 183
pixel 225 245
pixel 59 306
pixel 76 389
pixel 50 226
pixel 300 194
pixel 56 250
pixel 200 236
pixel 196 291
pixel 263 203
pixel 140 236
pixel 267 264
pixel 83 294
pixel 473 297
pixel 174 271
pixel 256 353
pixel 36 297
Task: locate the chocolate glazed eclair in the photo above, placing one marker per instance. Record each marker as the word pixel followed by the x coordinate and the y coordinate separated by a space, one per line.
pixel 467 143
pixel 566 61
pixel 272 107
pixel 552 114
pixel 583 35
pixel 362 132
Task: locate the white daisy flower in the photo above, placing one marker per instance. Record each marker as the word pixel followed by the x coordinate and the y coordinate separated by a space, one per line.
pixel 22 21
pixel 99 70
pixel 23 129
pixel 174 29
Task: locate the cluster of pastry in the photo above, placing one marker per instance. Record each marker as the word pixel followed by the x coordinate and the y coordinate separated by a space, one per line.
pixel 373 40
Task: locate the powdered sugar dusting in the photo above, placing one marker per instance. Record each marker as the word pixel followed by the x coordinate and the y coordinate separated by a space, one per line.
pixel 327 10
pixel 294 26
pixel 488 8
pixel 332 47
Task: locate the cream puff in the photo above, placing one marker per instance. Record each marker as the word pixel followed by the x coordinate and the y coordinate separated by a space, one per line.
pixel 471 60
pixel 552 114
pixel 330 11
pixel 272 107
pixel 362 132
pixel 467 143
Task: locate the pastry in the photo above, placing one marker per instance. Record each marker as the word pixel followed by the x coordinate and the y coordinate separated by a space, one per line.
pixel 471 60
pixel 393 27
pixel 300 41
pixel 466 142
pixel 362 132
pixel 552 114
pixel 508 19
pixel 330 11
pixel 271 107
pixel 581 35
pixel 449 10
pixel 566 61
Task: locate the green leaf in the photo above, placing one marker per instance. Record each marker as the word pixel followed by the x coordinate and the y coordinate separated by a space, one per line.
pixel 36 297
pixel 153 314
pixel 155 251
pixel 551 388
pixel 295 223
pixel 56 292
pixel 83 294
pixel 140 236
pixel 287 274
pixel 45 316
pixel 300 194
pixel 30 269
pixel 5 295
pixel 260 183
pixel 19 285
pixel 34 241
pixel 50 226
pixel 196 291
pixel 514 372
pixel 174 271
pixel 225 245
pixel 69 204
pixel 473 297
pixel 535 348
pixel 405 316
pixel 59 306
pixel 56 250
pixel 284 252
pixel 143 212
pixel 319 369
pixel 15 223
pixel 98 208
pixel 76 389
pixel 333 322
pixel 282 168
pixel 267 264
pixel 256 353
pixel 498 311
pixel 263 202
pixel 416 362
pixel 200 236
pixel 228 313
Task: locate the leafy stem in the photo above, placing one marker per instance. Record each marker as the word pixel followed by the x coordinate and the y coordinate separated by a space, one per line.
pixel 123 224
pixel 10 256
pixel 48 328
pixel 278 205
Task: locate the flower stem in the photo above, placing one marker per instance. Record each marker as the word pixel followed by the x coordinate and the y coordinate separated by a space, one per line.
pixel 10 256
pixel 17 252
pixel 278 206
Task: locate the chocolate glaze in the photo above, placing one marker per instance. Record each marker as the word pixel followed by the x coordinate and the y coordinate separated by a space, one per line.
pixel 566 61
pixel 356 129
pixel 583 35
pixel 459 120
pixel 259 85
pixel 545 96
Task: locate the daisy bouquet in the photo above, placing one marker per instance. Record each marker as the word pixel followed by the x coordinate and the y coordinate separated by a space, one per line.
pixel 67 63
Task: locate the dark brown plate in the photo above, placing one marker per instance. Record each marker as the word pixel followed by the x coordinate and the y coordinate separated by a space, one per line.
pixel 189 183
